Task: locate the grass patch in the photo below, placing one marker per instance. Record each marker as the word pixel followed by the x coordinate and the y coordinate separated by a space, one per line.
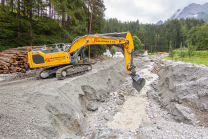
pixel 196 60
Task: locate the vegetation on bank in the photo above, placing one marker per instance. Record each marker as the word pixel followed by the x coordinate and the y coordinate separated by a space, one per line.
pixel 189 55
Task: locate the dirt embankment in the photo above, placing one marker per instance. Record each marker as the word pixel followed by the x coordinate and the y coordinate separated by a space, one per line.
pixel 178 102
pixel 52 108
pixel 183 90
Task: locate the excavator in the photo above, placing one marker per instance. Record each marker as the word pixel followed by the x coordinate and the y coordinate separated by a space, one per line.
pixel 69 60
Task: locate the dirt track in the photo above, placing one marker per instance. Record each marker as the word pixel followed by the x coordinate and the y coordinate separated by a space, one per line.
pixel 65 109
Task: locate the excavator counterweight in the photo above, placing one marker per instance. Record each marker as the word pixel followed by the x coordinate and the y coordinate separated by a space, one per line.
pixel 64 59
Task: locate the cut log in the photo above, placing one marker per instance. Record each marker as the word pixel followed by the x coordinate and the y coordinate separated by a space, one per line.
pixel 8 60
pixel 23 70
pixel 6 55
pixel 15 51
pixel 18 53
pixel 14 70
pixel 23 59
pixel 17 63
pixel 6 71
pixel 15 56
pixel 18 69
pixel 4 63
pixel 21 48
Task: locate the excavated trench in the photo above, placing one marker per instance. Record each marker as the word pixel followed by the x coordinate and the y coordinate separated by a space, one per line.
pixel 96 104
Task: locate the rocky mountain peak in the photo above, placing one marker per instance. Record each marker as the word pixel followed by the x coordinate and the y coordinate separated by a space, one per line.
pixel 193 10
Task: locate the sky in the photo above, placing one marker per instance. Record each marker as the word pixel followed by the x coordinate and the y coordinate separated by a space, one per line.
pixel 146 11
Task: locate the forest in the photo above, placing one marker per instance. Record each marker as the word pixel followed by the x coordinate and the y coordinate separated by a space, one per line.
pixel 157 38
pixel 39 22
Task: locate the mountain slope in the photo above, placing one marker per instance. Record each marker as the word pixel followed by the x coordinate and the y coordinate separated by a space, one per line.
pixel 192 11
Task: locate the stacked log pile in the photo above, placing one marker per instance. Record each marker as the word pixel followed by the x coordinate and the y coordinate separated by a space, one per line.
pixel 15 59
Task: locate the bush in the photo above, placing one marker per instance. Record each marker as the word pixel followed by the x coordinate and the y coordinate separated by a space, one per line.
pixel 113 50
pixel 191 50
pixel 171 52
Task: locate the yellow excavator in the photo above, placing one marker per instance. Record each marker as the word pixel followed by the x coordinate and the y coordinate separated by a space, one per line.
pixel 69 60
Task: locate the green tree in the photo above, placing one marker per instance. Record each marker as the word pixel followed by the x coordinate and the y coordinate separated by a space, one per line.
pixel 191 50
pixel 113 50
pixel 137 43
pixel 183 34
pixel 182 53
pixel 171 52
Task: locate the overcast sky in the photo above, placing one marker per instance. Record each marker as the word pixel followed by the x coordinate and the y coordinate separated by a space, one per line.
pixel 146 11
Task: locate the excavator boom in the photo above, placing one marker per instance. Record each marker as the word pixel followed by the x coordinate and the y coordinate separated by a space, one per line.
pixel 63 59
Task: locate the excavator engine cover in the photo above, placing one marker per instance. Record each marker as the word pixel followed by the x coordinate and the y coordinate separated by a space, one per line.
pixel 138 83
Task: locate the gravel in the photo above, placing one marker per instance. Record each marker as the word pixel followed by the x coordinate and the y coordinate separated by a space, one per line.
pixel 84 106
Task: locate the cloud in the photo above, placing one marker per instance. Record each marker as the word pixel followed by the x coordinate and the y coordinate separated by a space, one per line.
pixel 148 11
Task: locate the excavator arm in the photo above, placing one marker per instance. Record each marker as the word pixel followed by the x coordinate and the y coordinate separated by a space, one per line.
pixel 98 39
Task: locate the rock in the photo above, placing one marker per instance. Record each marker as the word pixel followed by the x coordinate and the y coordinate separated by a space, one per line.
pixel 119 102
pixel 94 135
pixel 121 96
pixel 205 106
pixel 155 121
pixel 92 107
pixel 90 93
pixel 102 99
pixel 68 136
pixel 158 127
pixel 106 117
pixel 184 114
pixel 104 134
pixel 117 110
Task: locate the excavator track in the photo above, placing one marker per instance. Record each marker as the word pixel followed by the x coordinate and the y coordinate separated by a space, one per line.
pixel 38 74
pixel 46 72
pixel 72 70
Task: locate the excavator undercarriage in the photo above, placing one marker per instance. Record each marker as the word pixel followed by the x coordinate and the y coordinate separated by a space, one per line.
pixel 61 72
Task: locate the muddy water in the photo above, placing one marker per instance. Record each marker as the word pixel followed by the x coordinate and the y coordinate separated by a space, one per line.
pixel 133 111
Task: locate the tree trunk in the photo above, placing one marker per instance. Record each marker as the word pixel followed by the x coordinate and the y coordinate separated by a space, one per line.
pixel 38 8
pixel 90 30
pixel 2 3
pixel 49 9
pixel 51 12
pixel 31 39
pixel 68 20
pixel 54 17
pixel 63 18
pixel 18 17
pixel 63 22
pixel 12 5
pixel 41 9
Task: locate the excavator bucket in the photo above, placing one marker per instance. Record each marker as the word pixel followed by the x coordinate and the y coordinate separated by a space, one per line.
pixel 138 83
